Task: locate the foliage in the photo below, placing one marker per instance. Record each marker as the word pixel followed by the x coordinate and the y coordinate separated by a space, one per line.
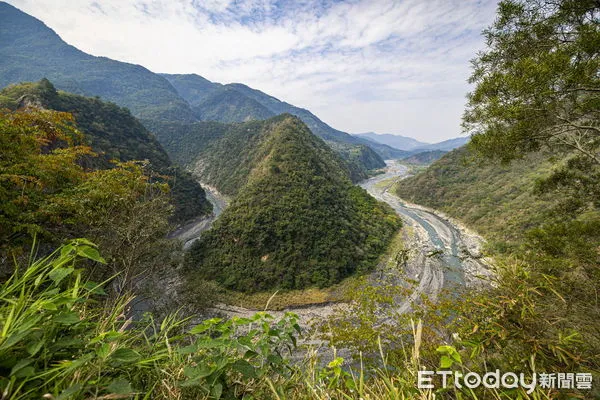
pixel 40 154
pixel 114 134
pixel 58 342
pixel 296 221
pixel 537 82
pixel 122 211
pixel 46 192
pixel 538 86
pixel 499 201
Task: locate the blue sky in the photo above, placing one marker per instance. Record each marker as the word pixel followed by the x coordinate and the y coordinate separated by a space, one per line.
pixel 387 66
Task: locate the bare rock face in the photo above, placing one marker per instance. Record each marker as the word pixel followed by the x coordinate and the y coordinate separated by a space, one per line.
pixel 29 101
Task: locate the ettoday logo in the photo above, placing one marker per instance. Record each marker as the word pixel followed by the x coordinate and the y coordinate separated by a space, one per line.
pixel 509 380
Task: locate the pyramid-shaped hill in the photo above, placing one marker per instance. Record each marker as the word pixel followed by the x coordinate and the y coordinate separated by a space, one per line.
pixel 296 221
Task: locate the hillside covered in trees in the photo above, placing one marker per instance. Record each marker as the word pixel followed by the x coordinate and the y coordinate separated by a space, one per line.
pixel 114 134
pixel 296 219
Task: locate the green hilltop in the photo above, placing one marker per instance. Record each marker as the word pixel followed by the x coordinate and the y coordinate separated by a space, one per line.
pixel 296 219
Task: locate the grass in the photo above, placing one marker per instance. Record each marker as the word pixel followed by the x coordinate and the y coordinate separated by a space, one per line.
pixel 63 338
pixel 280 300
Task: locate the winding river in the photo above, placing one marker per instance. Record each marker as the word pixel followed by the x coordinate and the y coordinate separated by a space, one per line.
pixel 442 254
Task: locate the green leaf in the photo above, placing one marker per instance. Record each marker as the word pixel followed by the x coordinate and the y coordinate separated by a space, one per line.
pixel 449 356
pixel 245 368
pixel 34 346
pixel 201 371
pixel 67 318
pixel 120 386
pixel 103 351
pixel 94 288
pixel 216 391
pixel 187 349
pixel 125 355
pixel 66 250
pixel 446 362
pixel 70 391
pixel 90 253
pixel 20 365
pixel 58 274
pixel 205 325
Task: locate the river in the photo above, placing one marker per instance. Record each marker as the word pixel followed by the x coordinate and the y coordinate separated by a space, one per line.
pixel 443 253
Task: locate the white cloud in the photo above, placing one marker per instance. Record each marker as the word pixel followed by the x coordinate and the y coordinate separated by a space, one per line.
pixel 383 65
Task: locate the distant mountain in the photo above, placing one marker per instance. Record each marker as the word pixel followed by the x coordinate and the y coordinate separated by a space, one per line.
pixel 396 141
pixel 412 145
pixel 30 51
pixel 424 157
pixel 295 221
pixel 113 133
pixel 227 105
pixel 193 88
pixel 206 98
pixel 446 145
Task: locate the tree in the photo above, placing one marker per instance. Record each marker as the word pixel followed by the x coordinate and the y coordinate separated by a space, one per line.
pixel 39 156
pixel 45 191
pixel 537 85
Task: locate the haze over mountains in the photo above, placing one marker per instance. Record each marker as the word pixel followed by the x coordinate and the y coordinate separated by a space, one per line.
pixel 413 145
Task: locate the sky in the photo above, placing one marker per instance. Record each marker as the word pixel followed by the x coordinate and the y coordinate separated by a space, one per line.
pixel 388 66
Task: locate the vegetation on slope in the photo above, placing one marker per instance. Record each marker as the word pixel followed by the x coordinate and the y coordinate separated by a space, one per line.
pixel 237 103
pixel 62 338
pixel 46 192
pixel 498 200
pixel 296 220
pixel 226 105
pixel 424 157
pixel 535 106
pixel 114 134
pixel 30 51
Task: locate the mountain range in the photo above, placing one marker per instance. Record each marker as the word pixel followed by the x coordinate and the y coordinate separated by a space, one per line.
pixel 412 145
pixel 30 51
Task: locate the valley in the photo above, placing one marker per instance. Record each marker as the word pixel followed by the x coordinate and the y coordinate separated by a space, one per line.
pixel 170 235
pixel 443 255
pixel 191 231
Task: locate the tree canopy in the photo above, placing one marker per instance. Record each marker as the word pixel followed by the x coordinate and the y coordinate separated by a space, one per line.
pixel 537 87
pixel 538 83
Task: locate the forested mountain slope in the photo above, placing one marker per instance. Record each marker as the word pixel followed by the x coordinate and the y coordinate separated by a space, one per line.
pixel 114 134
pixel 296 219
pixel 236 102
pixel 497 200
